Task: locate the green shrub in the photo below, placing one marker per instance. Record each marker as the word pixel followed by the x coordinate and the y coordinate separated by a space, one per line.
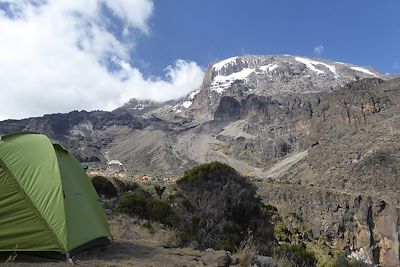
pixel 282 233
pixel 162 212
pixel 298 254
pixel 341 261
pixel 131 186
pixel 209 171
pixel 141 203
pixel 219 208
pixel 134 203
pixel 104 187
pixel 124 186
pixel 356 263
pixel 233 236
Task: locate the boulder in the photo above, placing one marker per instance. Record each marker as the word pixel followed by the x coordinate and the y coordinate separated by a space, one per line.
pixel 216 258
pixel 263 261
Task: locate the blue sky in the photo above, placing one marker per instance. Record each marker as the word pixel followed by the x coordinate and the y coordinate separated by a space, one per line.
pixel 63 55
pixel 362 32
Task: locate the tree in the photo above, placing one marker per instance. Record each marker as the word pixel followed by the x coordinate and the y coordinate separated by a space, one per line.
pixel 159 190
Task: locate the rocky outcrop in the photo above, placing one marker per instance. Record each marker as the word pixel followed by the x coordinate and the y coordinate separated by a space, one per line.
pixel 351 222
pixel 86 134
pixel 347 186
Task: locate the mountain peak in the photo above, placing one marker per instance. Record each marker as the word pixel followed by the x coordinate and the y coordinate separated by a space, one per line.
pixel 259 71
pixel 262 75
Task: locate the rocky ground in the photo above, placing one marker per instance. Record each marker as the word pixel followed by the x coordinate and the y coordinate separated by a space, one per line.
pixel 134 245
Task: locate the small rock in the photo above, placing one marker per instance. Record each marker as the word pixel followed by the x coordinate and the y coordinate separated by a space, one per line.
pixel 263 261
pixel 235 259
pixel 218 258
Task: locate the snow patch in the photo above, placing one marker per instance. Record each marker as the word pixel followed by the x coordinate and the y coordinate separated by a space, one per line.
pixel 192 95
pixel 364 71
pixel 220 82
pixel 176 108
pixel 187 104
pixel 269 67
pixel 360 255
pixel 139 107
pixel 218 66
pixel 311 64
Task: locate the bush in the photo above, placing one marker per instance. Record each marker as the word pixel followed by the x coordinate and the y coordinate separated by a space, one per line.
pixel 104 187
pixel 124 186
pixel 162 212
pixel 283 261
pixel 342 261
pixel 281 232
pixel 141 203
pixel 298 254
pixel 246 252
pixel 220 208
pixel 208 172
pixel 134 203
pixel 131 186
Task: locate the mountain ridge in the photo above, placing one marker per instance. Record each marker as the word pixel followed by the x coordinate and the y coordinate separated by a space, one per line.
pixel 287 76
pixel 304 127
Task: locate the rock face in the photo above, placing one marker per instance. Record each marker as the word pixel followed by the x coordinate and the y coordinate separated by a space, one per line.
pixel 349 181
pixel 86 134
pixel 323 134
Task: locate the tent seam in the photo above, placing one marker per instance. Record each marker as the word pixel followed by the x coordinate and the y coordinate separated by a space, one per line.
pixel 62 188
pixel 30 203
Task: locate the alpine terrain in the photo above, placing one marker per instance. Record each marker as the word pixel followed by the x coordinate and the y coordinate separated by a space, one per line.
pixel 321 138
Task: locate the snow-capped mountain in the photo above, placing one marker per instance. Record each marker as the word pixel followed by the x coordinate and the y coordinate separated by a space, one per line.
pixel 292 73
pixel 267 75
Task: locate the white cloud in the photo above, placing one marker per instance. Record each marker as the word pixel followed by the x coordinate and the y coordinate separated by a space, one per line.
pixel 318 50
pixel 53 56
pixel 133 12
pixel 396 66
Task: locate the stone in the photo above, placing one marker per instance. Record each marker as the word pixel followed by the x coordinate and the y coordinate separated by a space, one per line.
pixel 216 258
pixel 263 261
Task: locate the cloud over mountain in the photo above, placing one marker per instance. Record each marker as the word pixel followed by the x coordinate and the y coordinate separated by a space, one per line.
pixel 62 55
pixel 318 50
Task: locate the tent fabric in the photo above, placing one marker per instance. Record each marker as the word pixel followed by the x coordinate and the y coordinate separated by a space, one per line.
pixel 47 202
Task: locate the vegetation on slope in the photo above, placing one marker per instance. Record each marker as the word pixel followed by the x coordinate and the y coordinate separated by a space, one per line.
pixel 104 187
pixel 220 208
pixel 213 206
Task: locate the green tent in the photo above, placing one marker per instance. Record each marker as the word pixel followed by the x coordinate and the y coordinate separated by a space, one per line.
pixel 47 202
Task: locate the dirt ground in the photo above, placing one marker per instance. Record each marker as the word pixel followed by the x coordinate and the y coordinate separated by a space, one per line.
pixel 121 253
pixel 133 245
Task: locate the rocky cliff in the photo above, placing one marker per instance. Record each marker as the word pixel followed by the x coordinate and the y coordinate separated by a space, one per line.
pixel 349 181
pixel 322 137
